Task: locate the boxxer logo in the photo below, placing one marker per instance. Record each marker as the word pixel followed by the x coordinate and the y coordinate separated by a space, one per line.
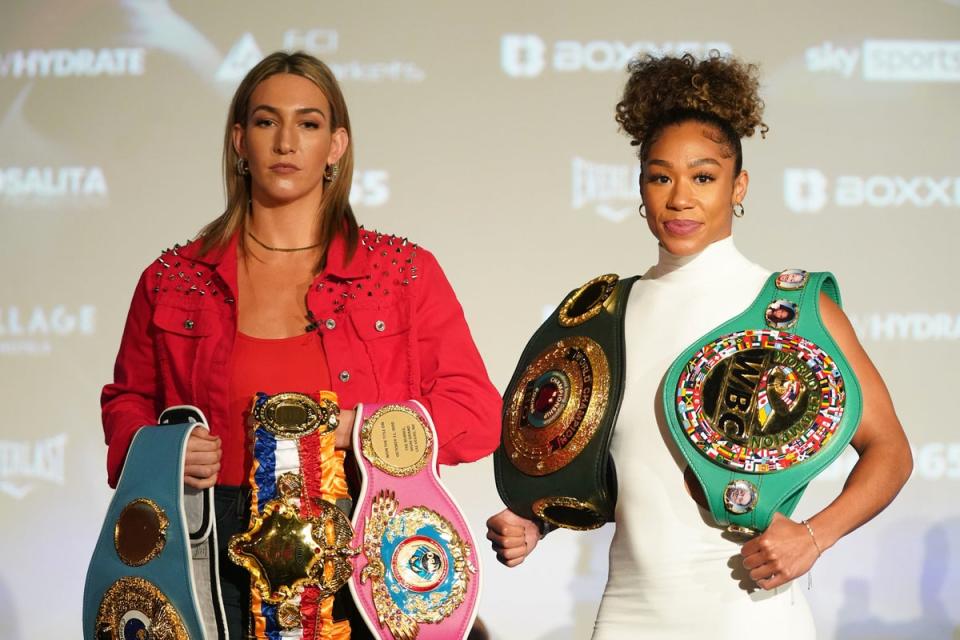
pixel 527 55
pixel 809 191
pixel 522 55
pixel 805 190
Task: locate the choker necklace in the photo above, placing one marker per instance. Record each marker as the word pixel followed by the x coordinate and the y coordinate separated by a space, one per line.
pixel 269 248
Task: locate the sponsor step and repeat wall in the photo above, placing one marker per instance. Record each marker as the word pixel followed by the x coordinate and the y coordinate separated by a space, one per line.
pixel 484 132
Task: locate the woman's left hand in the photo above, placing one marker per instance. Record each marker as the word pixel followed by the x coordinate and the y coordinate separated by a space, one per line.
pixel 783 552
pixel 344 432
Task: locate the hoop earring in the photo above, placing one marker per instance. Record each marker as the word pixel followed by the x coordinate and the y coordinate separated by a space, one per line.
pixel 331 172
pixel 642 214
pixel 243 167
pixel 739 213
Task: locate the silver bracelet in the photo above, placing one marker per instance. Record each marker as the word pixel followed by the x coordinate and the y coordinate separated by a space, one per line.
pixel 806 523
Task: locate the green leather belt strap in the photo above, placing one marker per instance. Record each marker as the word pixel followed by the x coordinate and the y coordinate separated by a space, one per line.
pixel 763 403
pixel 560 409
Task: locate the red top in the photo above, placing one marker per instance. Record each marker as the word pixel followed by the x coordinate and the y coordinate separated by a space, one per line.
pixel 391 327
pixel 271 365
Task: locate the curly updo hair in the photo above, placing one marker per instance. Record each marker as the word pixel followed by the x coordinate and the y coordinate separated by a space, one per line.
pixel 718 91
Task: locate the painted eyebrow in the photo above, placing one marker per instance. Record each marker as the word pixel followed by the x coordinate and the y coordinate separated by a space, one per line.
pixel 301 111
pixel 696 163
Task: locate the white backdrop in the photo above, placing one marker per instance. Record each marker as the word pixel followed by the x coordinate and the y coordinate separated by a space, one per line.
pixel 485 132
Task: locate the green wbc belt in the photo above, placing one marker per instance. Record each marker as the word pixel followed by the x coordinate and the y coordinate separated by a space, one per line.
pixel 763 403
pixel 560 409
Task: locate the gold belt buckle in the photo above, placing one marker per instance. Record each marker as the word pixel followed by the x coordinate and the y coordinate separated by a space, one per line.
pixel 291 416
pixel 739 530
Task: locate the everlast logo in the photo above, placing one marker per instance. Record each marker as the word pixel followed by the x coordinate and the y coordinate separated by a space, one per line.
pixel 761 398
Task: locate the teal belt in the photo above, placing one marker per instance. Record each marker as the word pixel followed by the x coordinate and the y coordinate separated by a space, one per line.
pixel 153 573
pixel 763 403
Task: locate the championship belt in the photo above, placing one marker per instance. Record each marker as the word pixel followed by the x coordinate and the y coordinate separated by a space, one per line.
pixel 417 575
pixel 154 570
pixel 763 403
pixel 297 548
pixel 560 409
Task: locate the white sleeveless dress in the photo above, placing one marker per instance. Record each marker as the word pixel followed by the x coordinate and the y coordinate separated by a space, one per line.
pixel 673 572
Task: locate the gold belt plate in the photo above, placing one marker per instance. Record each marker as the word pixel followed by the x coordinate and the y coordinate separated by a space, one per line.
pixel 291 416
pixel 284 550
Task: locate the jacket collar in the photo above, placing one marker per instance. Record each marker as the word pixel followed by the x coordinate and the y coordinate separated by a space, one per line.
pixel 339 267
pixel 214 257
pixel 224 259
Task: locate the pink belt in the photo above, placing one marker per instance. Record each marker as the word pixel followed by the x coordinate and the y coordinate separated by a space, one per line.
pixel 417 574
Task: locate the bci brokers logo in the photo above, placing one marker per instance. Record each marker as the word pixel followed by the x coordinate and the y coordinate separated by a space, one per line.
pixel 889 60
pixel 612 189
pixel 21 185
pixel 24 462
pixel 526 55
pixel 28 332
pixel 246 53
pixel 810 191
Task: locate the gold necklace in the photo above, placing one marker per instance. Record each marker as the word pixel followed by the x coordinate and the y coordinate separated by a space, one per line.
pixel 269 248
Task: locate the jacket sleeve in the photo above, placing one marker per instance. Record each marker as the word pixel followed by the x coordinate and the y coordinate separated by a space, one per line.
pixel 454 383
pixel 130 401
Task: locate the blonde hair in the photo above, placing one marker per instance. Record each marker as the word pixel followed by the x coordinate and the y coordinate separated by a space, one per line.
pixel 335 211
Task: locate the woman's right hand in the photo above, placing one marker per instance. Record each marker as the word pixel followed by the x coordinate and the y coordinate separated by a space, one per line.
pixel 513 538
pixel 202 462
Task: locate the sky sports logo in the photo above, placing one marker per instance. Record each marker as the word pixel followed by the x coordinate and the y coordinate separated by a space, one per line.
pixel 889 60
pixel 810 191
pixel 526 55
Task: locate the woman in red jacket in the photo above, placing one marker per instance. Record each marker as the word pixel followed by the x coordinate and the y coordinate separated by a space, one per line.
pixel 283 292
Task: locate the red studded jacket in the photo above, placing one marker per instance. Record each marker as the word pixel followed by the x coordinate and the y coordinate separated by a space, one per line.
pixel 391 326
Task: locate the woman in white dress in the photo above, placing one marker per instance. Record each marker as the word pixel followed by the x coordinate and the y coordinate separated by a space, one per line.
pixel 674 572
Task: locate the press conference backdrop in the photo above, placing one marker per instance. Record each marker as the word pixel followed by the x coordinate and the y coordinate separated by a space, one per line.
pixel 485 132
